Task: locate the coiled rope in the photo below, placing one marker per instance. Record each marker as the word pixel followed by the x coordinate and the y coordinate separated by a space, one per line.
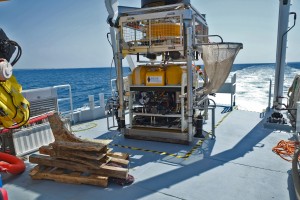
pixel 88 127
pixel 286 149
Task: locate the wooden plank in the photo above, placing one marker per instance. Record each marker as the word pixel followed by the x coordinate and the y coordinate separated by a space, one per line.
pixel 45 150
pixel 86 155
pixel 119 161
pixel 98 141
pixel 120 155
pixel 74 178
pixel 34 170
pixel 117 157
pixel 48 150
pixel 63 145
pixel 67 155
pixel 104 170
pixel 58 171
pixel 93 164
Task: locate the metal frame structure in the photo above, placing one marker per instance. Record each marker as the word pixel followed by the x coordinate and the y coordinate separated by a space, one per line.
pixel 283 21
pixel 186 18
pixel 133 32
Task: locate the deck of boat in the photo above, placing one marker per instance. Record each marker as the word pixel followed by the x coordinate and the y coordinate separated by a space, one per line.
pixel 238 164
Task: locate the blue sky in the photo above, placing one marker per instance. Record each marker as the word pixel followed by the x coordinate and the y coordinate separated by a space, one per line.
pixel 72 33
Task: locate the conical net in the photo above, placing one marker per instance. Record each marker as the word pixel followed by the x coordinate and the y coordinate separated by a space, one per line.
pixel 218 60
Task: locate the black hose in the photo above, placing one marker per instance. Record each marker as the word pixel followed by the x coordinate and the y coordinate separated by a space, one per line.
pixel 19 53
pixel 7 44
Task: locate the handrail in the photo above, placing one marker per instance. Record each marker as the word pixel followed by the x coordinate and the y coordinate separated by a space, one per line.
pixel 197 36
pixel 64 99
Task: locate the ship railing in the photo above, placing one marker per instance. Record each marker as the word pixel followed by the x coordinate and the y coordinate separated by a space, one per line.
pixel 68 98
pixel 230 88
pixel 28 138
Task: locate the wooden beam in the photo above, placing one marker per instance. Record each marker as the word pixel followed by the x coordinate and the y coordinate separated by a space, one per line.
pixel 120 155
pixel 119 161
pixel 104 142
pixel 48 150
pixel 103 170
pixel 78 146
pixel 74 177
pixel 93 164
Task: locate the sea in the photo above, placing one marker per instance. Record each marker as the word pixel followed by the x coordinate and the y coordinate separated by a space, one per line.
pixel 253 82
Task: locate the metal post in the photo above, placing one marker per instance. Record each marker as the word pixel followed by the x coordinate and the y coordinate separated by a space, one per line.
pixel 298 118
pixel 118 61
pixel 70 99
pixel 183 78
pixel 112 9
pixel 283 20
pixel 189 32
pixel 187 19
pixel 130 105
pixel 270 95
pixel 213 119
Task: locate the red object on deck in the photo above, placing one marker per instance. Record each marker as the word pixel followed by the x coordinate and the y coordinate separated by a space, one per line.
pixel 31 121
pixel 3 194
pixel 11 164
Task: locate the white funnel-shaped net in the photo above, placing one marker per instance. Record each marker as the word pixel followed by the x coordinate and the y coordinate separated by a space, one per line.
pixel 218 60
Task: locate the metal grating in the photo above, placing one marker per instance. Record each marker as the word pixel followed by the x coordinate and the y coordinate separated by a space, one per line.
pixel 30 139
pixel 200 33
pixel 43 106
pixel 153 32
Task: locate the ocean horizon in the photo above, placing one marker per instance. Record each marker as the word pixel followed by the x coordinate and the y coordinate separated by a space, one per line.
pixel 252 82
pixel 40 68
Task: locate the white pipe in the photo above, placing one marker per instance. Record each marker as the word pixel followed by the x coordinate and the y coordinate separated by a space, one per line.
pixel 283 21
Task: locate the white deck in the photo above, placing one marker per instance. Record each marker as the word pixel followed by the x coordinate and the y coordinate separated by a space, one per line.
pixel 239 164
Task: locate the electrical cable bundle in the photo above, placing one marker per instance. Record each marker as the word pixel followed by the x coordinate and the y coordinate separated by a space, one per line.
pixel 8 47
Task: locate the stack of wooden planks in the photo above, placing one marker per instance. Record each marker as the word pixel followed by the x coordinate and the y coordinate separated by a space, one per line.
pixel 72 160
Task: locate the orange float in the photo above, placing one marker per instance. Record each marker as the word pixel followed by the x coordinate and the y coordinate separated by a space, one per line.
pixel 11 164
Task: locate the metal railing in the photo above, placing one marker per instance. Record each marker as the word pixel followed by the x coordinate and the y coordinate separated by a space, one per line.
pixel 69 98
